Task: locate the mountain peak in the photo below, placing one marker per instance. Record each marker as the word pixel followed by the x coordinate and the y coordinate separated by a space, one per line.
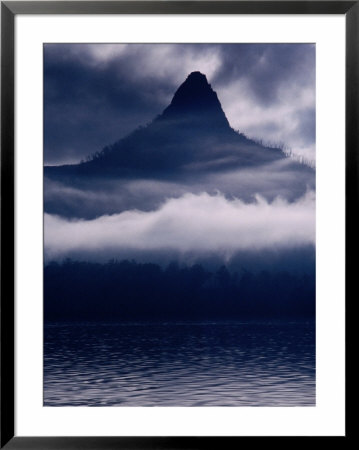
pixel 195 101
pixel 197 77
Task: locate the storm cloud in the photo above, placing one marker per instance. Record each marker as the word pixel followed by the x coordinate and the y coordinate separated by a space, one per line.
pixel 95 94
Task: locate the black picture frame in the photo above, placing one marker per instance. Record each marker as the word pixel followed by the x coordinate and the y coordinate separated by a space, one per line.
pixel 9 9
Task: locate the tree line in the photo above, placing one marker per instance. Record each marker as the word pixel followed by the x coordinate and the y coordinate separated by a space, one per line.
pixel 128 290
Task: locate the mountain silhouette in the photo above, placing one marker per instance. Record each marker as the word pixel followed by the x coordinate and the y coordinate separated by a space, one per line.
pixel 197 104
pixel 189 147
pixel 192 133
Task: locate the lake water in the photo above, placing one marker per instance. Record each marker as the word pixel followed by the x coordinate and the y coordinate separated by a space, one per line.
pixel 180 364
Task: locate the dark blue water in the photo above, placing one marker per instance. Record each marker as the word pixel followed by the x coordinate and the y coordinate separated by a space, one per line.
pixel 180 364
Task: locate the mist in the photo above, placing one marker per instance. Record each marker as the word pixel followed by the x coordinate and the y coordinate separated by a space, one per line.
pixel 91 198
pixel 192 223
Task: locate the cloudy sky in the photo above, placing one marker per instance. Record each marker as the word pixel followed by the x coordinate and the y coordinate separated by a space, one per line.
pixel 94 94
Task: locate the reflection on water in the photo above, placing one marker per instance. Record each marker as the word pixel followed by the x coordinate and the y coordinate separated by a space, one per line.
pixel 180 364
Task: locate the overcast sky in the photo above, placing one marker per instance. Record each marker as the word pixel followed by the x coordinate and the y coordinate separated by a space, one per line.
pixel 94 94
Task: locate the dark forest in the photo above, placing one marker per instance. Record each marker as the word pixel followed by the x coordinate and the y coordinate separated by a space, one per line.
pixel 127 290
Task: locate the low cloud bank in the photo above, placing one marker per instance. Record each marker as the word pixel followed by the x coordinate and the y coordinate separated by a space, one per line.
pixel 191 223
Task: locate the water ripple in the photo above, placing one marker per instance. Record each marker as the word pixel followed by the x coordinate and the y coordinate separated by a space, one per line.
pixel 180 364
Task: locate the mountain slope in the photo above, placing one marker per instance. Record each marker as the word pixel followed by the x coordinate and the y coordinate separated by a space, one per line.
pixel 190 147
pixel 192 133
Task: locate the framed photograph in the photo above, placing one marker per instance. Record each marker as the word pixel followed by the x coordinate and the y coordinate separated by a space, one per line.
pixel 178 182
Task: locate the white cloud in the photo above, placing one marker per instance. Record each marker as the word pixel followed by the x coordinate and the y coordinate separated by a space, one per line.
pixel 191 223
